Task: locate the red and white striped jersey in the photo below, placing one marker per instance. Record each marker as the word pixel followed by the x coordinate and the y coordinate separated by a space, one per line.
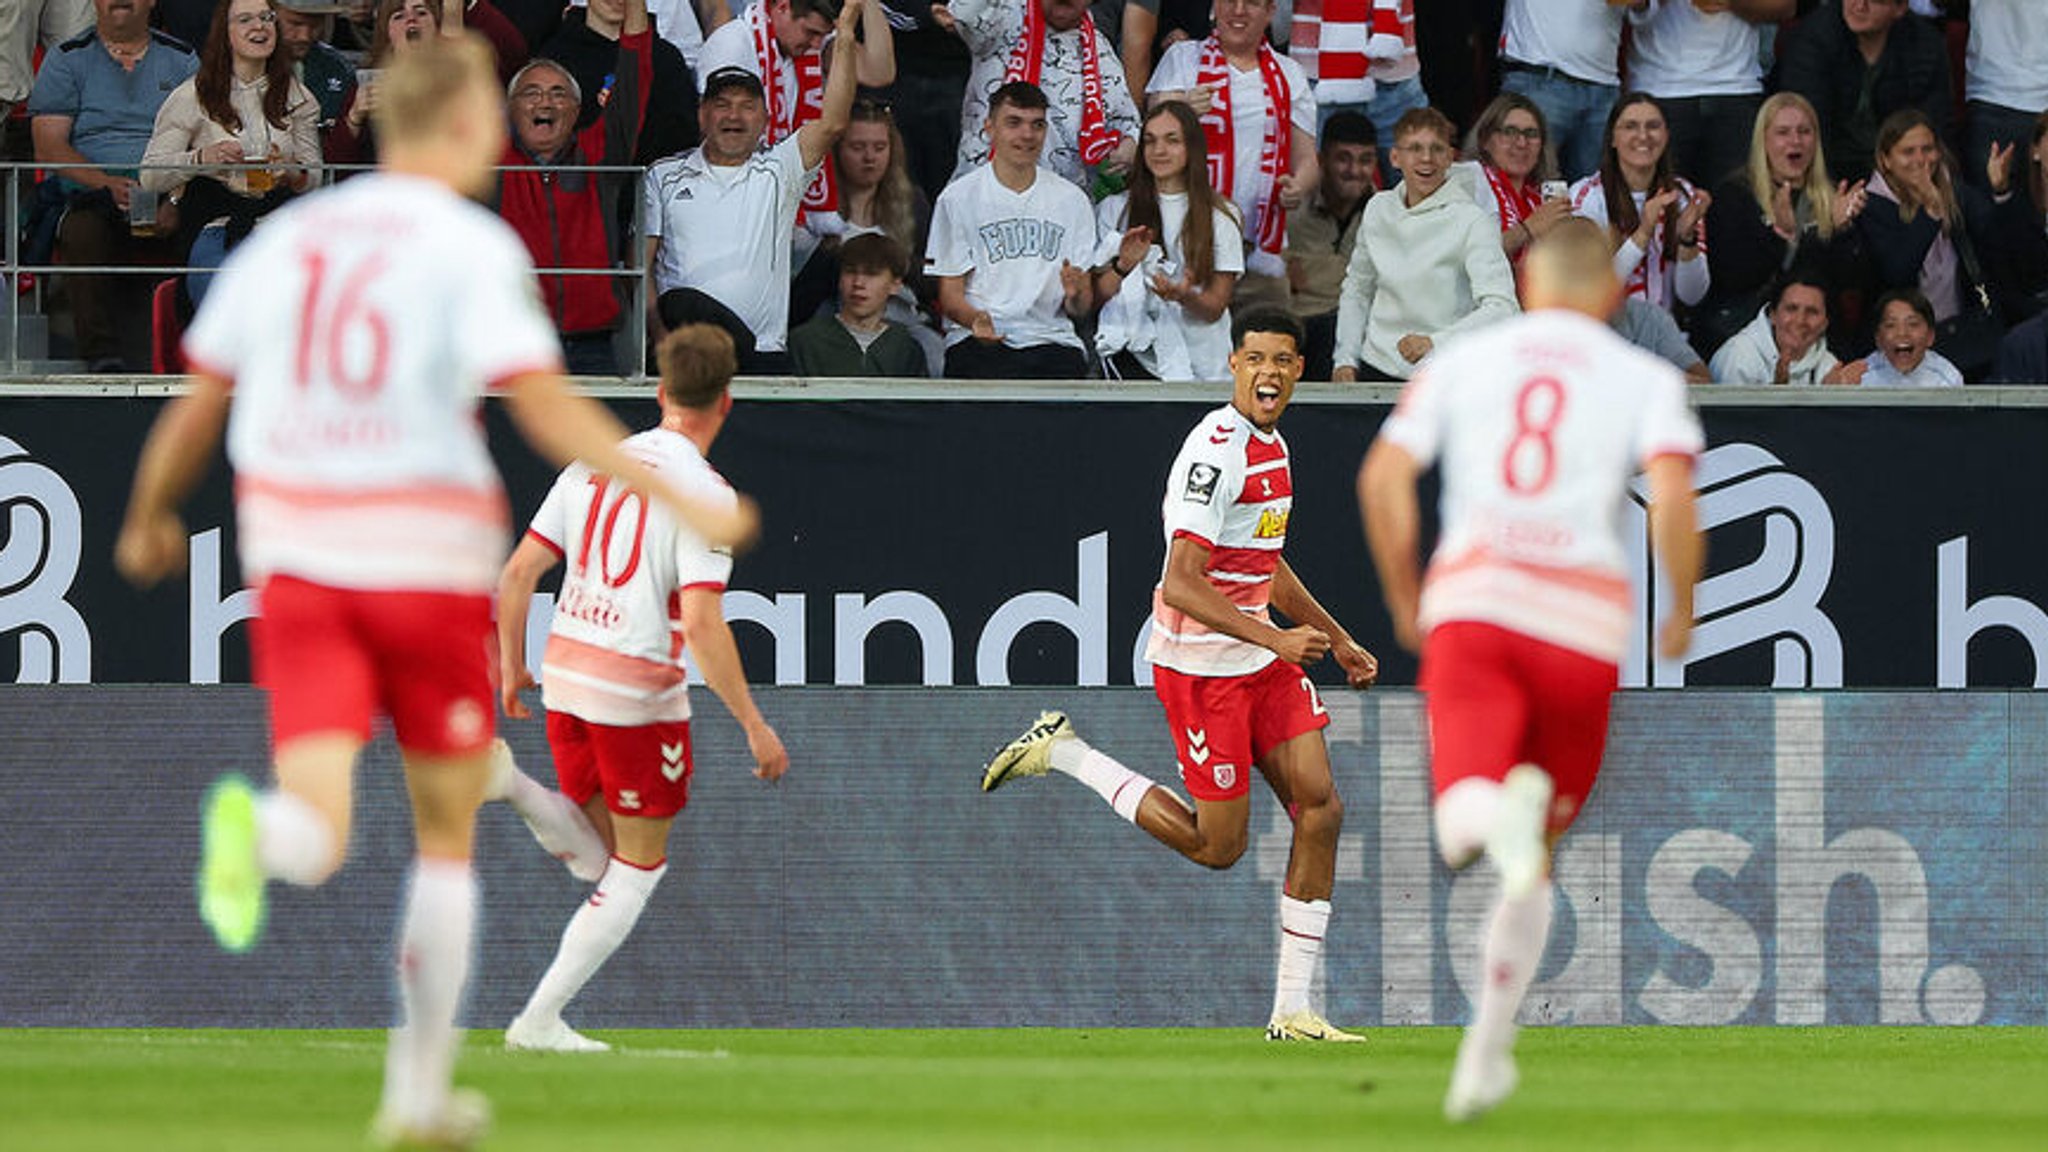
pixel 1538 424
pixel 1230 489
pixel 360 326
pixel 615 649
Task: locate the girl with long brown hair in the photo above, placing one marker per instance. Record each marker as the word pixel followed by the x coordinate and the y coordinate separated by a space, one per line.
pixel 1653 214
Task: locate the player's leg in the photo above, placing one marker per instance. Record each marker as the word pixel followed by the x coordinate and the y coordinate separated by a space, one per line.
pixel 1287 723
pixel 630 763
pixel 320 684
pixel 557 821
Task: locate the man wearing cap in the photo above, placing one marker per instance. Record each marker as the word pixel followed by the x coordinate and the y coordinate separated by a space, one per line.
pixel 719 216
pixel 303 27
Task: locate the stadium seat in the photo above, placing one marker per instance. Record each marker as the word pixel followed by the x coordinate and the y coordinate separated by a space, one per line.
pixel 165 330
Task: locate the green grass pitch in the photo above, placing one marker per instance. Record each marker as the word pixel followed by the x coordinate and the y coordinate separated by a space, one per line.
pixel 849 1090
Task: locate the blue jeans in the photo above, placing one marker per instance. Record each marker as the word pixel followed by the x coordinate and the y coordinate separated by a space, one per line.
pixel 1575 112
pixel 209 249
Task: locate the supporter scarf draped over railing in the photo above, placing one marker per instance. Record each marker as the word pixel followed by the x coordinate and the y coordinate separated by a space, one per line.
pixel 1267 225
pixel 1027 63
pixel 823 194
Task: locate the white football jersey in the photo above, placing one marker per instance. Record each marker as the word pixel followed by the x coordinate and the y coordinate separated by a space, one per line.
pixel 615 649
pixel 360 326
pixel 1009 246
pixel 1538 424
pixel 724 230
pixel 1232 490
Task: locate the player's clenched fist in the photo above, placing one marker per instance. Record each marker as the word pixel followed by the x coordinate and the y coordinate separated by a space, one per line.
pixel 1302 645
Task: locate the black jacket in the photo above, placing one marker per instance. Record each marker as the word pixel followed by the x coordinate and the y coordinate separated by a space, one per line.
pixel 1819 60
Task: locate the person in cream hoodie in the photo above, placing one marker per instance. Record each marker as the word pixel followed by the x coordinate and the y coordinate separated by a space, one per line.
pixel 1427 265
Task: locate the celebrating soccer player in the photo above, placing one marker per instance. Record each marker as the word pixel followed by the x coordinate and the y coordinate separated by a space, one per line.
pixel 1231 679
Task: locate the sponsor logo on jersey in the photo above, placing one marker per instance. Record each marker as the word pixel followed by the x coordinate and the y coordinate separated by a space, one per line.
pixel 1202 480
pixel 1017 239
pixel 1226 776
pixel 1272 524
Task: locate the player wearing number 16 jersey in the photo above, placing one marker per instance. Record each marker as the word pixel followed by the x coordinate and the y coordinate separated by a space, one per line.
pixel 638 588
pixel 354 334
pixel 1537 426
pixel 1230 678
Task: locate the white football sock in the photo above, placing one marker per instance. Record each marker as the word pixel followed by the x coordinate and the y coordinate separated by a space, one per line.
pixel 294 842
pixel 559 824
pixel 1515 939
pixel 1121 787
pixel 594 933
pixel 434 943
pixel 1302 925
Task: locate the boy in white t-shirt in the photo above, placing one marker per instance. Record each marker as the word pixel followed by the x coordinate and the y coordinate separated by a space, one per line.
pixel 1010 247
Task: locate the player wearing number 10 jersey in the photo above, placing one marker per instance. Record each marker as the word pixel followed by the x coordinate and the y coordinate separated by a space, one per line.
pixel 354 334
pixel 1536 426
pixel 637 589
pixel 1230 678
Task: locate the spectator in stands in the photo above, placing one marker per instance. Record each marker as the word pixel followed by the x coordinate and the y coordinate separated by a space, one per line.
pixel 860 339
pixel 1904 357
pixel 1171 252
pixel 1782 209
pixel 2023 354
pixel 1858 61
pixel 243 106
pixel 1786 342
pixel 1428 263
pixel 1009 247
pixel 683 23
pixel 2005 75
pixel 1259 117
pixel 1510 170
pixel 537 21
pixel 876 195
pixel 1564 58
pixel 1321 237
pixel 1132 29
pixel 1053 45
pixel 93 106
pixel 1701 60
pixel 302 30
pixel 1928 231
pixel 931 80
pixel 2030 244
pixel 1654 330
pixel 1655 216
pixel 571 219
pixel 719 216
pixel 399 25
pixel 24 24
pixel 587 45
pixel 1361 56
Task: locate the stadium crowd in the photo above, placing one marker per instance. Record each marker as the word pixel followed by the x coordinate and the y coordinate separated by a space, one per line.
pixel 1797 191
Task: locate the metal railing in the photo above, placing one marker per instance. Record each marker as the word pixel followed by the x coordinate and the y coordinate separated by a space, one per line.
pixel 18 179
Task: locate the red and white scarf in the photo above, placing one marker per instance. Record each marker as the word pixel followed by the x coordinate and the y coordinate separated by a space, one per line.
pixel 1266 221
pixel 1027 63
pixel 784 119
pixel 1516 201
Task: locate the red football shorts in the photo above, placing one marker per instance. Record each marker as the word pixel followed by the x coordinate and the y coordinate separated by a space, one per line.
pixel 1498 698
pixel 333 658
pixel 1222 725
pixel 643 770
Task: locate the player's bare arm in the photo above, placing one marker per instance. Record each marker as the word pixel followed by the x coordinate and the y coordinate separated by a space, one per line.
pixel 1393 528
pixel 1297 603
pixel 530 561
pixel 565 426
pixel 1187 589
pixel 718 658
pixel 816 138
pixel 152 543
pixel 1675 535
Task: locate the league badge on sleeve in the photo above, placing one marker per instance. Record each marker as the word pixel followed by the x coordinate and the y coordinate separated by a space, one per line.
pixel 1202 480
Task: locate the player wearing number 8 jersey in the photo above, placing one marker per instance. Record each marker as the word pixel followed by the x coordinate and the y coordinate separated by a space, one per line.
pixel 1536 426
pixel 638 588
pixel 357 330
pixel 1230 678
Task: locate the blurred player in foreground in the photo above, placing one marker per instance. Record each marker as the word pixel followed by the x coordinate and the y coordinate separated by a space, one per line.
pixel 1537 426
pixel 638 588
pixel 1231 680
pixel 357 330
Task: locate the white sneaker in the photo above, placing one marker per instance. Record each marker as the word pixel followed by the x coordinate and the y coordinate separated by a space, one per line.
pixel 1516 843
pixel 462 1123
pixel 561 830
pixel 1478 1085
pixel 1029 754
pixel 535 1034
